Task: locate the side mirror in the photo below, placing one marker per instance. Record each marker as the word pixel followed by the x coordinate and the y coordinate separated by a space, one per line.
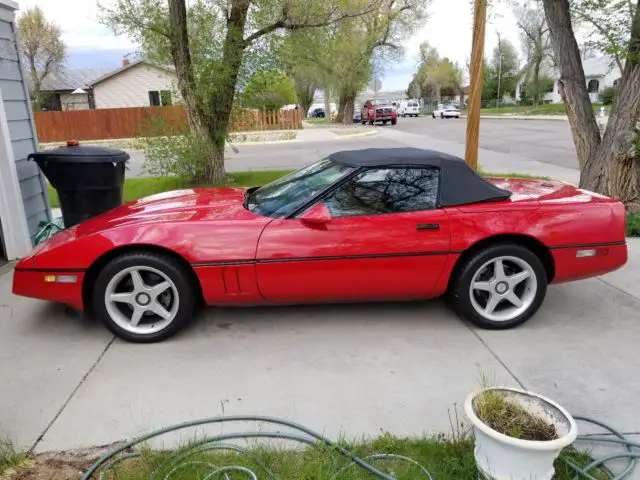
pixel 317 215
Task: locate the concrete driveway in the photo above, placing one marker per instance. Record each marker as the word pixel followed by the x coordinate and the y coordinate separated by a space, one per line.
pixel 352 369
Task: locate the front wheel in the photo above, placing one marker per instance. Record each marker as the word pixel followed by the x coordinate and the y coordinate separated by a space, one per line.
pixel 144 297
pixel 394 121
pixel 499 287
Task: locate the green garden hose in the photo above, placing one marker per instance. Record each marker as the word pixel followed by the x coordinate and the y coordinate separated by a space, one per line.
pixel 596 470
pixel 630 452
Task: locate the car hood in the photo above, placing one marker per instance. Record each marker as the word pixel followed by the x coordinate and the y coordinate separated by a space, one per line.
pixel 199 204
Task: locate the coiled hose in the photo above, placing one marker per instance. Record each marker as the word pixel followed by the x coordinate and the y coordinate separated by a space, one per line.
pixel 593 471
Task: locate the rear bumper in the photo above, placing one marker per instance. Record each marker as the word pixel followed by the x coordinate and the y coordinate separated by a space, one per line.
pixel 65 288
pixel 572 264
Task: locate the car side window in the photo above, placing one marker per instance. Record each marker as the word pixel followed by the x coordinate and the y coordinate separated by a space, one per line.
pixel 385 190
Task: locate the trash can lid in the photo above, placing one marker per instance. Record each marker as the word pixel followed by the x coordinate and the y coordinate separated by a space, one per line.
pixel 73 152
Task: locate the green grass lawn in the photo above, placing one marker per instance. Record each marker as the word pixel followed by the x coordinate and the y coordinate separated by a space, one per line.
pixel 545 109
pixel 318 121
pixel 135 188
pixel 445 459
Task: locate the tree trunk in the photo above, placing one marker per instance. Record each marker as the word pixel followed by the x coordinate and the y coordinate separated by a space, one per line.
pixel 305 92
pixel 438 89
pixel 349 108
pixel 327 103
pixel 536 81
pixel 221 99
pixel 609 165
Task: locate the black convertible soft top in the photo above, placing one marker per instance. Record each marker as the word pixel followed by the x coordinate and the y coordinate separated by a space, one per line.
pixel 459 184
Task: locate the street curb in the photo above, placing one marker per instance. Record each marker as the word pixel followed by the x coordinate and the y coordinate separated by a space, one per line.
pixel 372 133
pixel 295 140
pixel 556 118
pixel 266 142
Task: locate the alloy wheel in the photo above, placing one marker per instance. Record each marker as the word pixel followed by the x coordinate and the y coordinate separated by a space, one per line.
pixel 141 300
pixel 503 288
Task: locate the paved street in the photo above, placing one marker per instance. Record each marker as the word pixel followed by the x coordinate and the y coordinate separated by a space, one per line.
pixel 545 141
pixel 352 369
pixel 537 147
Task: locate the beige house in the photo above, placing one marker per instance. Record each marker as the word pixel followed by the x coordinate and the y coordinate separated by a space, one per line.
pixel 134 84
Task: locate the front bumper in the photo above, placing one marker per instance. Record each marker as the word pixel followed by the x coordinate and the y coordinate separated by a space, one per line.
pixel 55 286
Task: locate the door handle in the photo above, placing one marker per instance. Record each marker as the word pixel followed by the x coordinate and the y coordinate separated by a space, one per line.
pixel 428 226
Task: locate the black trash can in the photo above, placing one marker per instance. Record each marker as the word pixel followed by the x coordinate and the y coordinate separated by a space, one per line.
pixel 88 179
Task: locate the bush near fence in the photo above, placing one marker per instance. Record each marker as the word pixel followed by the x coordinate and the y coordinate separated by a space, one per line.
pixel 114 123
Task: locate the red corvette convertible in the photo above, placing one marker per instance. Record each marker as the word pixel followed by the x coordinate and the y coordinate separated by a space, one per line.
pixel 363 225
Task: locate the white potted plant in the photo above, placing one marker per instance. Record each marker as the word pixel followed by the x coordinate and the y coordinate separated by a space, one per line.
pixel 518 434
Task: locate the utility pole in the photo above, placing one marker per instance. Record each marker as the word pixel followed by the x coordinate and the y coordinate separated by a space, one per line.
pixel 499 68
pixel 475 93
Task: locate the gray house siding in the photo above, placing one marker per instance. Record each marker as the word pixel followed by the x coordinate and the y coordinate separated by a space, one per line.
pixel 20 120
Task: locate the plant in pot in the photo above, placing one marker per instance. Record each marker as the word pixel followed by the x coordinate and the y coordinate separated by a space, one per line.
pixel 518 434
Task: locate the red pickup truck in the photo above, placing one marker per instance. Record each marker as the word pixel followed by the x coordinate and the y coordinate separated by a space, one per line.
pixel 378 111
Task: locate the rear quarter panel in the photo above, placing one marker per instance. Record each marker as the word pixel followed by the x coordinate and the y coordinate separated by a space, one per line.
pixel 564 225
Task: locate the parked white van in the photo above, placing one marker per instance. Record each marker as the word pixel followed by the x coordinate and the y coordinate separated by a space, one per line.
pixel 409 108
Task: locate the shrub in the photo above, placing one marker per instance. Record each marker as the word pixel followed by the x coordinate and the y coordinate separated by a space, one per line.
pixel 169 152
pixel 633 224
pixel 608 95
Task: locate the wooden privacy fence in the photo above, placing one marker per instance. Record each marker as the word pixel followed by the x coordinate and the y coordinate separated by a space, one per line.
pixel 111 123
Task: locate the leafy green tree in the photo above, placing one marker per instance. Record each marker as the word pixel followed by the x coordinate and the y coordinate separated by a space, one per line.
pixel 344 55
pixel 502 72
pixel 536 43
pixel 217 46
pixel 608 23
pixel 41 45
pixel 269 90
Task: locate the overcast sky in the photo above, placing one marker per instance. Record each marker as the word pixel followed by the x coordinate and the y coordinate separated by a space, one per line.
pixel 449 29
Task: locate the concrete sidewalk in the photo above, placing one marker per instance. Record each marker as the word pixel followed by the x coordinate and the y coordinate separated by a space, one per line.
pixel 352 369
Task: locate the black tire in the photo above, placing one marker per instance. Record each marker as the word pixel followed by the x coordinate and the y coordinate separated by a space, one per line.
pixel 433 115
pixel 174 270
pixel 384 122
pixel 394 121
pixel 459 288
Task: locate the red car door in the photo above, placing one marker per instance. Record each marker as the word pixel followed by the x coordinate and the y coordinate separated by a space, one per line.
pixel 385 239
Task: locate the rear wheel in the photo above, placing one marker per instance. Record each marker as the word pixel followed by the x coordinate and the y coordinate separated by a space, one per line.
pixel 144 297
pixel 394 121
pixel 500 287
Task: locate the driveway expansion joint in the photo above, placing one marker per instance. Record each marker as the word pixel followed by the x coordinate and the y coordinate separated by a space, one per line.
pixel 618 288
pixel 495 355
pixel 73 393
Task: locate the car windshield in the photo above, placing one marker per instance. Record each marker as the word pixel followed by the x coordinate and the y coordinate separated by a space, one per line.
pixel 284 196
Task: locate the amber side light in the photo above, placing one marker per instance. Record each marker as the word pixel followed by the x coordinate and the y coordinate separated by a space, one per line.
pixel 72 143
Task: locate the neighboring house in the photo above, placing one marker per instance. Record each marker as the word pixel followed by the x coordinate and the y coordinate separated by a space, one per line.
pixel 23 199
pixel 600 73
pixel 134 84
pixel 71 89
